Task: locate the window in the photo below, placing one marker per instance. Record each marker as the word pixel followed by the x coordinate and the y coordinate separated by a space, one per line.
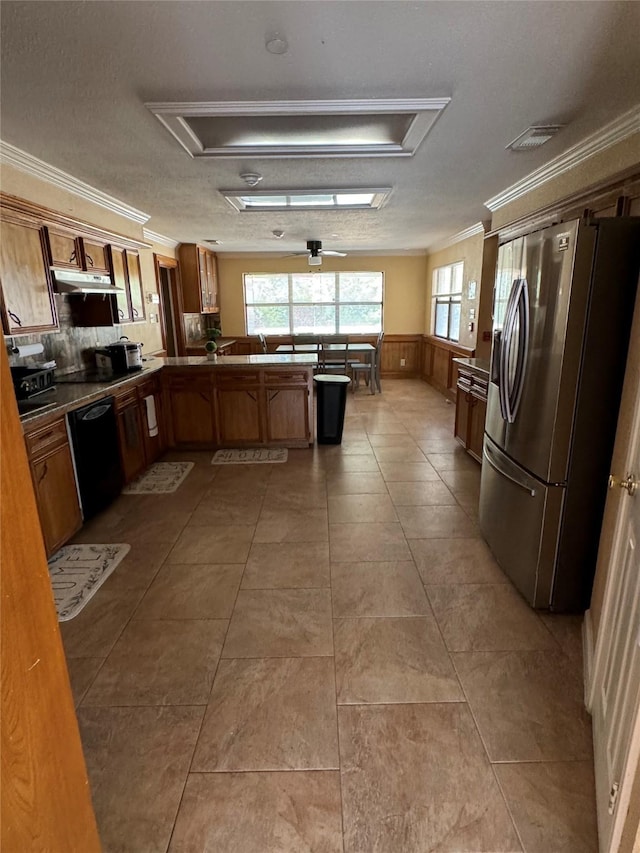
pixel 446 295
pixel 315 302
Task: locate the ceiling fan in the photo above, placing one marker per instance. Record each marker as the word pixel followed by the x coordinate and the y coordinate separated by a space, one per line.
pixel 315 253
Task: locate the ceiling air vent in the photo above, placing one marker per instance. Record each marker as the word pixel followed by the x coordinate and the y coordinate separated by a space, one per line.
pixel 534 137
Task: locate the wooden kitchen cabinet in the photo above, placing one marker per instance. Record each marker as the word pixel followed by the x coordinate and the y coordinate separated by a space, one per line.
pixel 239 416
pixel 95 256
pixel 54 483
pixel 471 407
pixel 189 406
pixel 154 445
pixel 63 248
pixel 125 274
pixel 131 435
pixel 199 276
pixel 287 415
pixel 28 303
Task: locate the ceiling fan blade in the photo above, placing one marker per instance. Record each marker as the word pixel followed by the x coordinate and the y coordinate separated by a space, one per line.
pixel 333 253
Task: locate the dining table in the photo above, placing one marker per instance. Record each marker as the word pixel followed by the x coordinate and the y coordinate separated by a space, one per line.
pixel 368 351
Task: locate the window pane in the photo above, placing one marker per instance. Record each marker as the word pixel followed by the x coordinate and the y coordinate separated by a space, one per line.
pixel 360 286
pixel 360 319
pixel 269 319
pixel 314 287
pixel 443 280
pixel 456 283
pixel 454 328
pixel 266 288
pixel 442 319
pixel 319 319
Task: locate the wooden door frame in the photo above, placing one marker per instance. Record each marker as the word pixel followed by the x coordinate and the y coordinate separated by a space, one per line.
pixel 45 800
pixel 173 267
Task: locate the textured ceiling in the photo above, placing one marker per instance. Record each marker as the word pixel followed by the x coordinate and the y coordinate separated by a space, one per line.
pixel 76 76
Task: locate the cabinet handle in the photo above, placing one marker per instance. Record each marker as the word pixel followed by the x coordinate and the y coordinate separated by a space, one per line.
pixel 120 313
pixel 204 396
pixel 273 396
pixel 72 257
pixel 90 260
pixel 253 396
pixel 44 473
pixel 135 313
pixel 15 318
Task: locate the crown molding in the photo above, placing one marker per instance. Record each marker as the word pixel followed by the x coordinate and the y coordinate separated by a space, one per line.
pixel 160 239
pixel 616 131
pixel 12 156
pixel 478 228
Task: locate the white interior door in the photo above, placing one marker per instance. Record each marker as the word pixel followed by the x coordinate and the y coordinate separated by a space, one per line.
pixel 616 679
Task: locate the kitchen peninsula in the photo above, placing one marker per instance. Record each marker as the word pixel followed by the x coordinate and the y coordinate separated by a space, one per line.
pixel 199 402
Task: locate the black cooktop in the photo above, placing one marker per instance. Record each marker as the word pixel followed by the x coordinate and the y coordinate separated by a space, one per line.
pixel 93 376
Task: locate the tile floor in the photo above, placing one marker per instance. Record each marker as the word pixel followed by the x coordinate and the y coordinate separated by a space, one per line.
pixel 323 656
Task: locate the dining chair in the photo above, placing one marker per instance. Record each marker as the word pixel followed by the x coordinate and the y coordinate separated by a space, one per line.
pixel 364 368
pixel 334 361
pixel 305 341
pixel 263 342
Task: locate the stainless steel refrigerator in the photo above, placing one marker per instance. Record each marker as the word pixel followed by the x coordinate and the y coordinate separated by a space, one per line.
pixel 563 305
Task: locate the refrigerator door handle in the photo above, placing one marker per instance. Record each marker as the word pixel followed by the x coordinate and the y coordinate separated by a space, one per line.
pixel 498 468
pixel 511 388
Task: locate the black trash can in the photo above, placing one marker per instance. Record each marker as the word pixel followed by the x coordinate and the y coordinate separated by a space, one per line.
pixel 331 400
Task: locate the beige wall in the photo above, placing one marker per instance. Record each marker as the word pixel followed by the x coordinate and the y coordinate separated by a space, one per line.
pixel 22 185
pixel 404 286
pixel 469 251
pixel 625 155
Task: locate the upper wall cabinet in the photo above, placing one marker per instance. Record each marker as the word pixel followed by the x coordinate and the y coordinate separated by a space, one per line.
pixel 67 250
pixel 27 304
pixel 199 274
pixel 125 266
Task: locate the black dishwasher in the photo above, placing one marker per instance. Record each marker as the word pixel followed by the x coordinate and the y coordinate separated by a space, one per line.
pixel 94 438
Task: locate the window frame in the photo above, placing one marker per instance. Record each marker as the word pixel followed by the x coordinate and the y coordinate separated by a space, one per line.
pixel 447 297
pixel 290 304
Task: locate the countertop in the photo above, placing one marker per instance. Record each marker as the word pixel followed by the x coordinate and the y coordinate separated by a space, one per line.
pixel 482 365
pixel 65 397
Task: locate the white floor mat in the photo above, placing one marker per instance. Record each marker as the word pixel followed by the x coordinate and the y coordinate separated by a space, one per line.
pixel 78 571
pixel 161 479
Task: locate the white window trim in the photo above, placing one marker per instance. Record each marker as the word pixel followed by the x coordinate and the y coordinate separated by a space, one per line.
pixel 451 296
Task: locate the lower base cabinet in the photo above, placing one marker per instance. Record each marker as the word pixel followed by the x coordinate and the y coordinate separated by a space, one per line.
pixel 471 410
pixel 227 407
pixel 54 483
pixel 131 436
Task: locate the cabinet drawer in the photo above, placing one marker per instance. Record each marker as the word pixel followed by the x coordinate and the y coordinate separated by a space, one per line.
pixel 288 377
pixel 126 398
pixel 225 378
pixel 46 438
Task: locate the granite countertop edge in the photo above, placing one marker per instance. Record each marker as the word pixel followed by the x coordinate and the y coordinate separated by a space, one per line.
pixel 66 397
pixel 482 365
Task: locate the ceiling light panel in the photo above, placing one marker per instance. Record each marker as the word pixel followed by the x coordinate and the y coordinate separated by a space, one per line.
pixel 324 199
pixel 346 128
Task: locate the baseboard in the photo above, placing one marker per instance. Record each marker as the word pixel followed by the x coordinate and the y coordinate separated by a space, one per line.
pixel 587 656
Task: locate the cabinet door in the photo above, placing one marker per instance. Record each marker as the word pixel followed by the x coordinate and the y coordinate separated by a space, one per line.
pixel 476 427
pixel 287 415
pixel 463 411
pixel 57 498
pixel 64 249
pixel 239 416
pixel 26 287
pixel 135 286
pixel 153 444
pixel 132 448
pixel 191 413
pixel 202 279
pixel 212 282
pixel 96 256
pixel 119 276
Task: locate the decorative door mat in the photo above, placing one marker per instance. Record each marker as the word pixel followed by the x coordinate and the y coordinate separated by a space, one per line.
pixel 160 479
pixel 253 456
pixel 78 571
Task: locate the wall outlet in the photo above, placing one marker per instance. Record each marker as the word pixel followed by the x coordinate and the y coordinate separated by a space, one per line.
pixel 403 362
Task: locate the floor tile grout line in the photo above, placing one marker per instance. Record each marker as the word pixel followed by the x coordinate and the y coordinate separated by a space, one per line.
pixel 213 679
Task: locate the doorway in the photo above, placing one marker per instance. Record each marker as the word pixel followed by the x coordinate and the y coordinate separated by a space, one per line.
pixel 171 314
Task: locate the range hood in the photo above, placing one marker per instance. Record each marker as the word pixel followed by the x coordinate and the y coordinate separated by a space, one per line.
pixel 70 281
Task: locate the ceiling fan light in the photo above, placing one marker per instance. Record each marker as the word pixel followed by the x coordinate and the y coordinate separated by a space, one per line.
pixel 315 260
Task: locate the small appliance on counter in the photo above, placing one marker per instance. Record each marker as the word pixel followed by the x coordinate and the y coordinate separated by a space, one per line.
pixel 29 381
pixel 122 357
